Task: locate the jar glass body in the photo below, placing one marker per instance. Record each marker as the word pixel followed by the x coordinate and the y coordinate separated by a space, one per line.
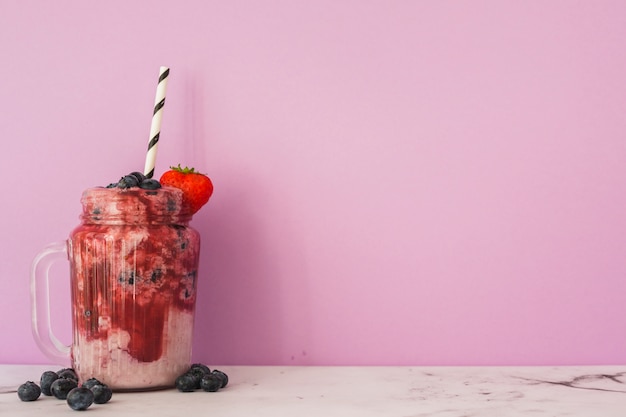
pixel 133 271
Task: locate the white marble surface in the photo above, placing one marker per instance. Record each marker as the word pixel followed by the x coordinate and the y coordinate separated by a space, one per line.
pixel 361 391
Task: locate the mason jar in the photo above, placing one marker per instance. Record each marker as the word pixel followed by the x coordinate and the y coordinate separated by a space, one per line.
pixel 133 263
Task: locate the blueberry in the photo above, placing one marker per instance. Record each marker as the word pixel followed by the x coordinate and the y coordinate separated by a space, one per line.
pixel 80 398
pixel 188 382
pixel 47 378
pixel 199 368
pixel 61 387
pixel 140 177
pixel 128 181
pixel 156 275
pixel 90 383
pixel 28 391
pixel 210 382
pixel 150 184
pixel 222 376
pixel 102 393
pixel 68 373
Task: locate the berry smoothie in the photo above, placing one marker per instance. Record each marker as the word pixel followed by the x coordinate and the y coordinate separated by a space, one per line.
pixel 133 264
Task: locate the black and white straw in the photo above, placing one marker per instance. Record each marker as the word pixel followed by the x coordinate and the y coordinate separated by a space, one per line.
pixel 155 128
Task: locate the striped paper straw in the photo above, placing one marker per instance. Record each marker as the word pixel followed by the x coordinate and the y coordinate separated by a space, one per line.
pixel 155 128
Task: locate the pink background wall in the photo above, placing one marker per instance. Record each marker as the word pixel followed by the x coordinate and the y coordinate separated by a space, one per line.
pixel 397 182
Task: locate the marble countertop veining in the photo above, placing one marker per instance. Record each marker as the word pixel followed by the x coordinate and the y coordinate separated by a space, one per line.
pixel 403 391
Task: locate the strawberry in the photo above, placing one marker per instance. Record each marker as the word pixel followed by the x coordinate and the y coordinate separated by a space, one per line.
pixel 197 188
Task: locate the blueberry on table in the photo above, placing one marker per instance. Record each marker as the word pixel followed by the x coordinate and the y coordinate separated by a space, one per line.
pixel 210 383
pixel 199 368
pixel 222 376
pixel 80 398
pixel 188 382
pixel 46 380
pixel 61 387
pixel 101 393
pixel 90 383
pixel 68 373
pixel 28 391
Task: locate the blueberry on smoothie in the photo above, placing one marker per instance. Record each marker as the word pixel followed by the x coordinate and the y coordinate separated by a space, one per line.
pixel 128 181
pixel 150 184
pixel 140 177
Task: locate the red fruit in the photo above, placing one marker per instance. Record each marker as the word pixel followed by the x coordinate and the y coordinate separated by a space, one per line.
pixel 197 188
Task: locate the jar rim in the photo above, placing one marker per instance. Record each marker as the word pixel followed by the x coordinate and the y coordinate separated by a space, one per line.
pixel 134 205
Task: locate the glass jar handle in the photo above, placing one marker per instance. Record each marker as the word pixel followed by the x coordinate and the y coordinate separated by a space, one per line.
pixel 49 344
